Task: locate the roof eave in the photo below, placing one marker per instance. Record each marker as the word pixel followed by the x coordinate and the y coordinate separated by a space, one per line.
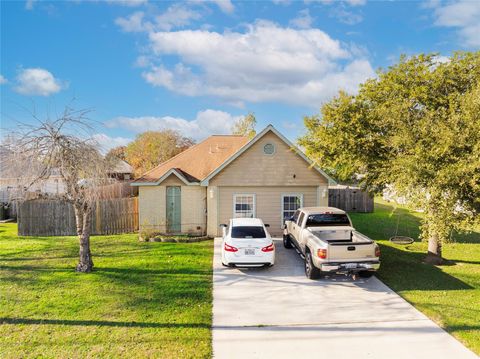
pixel 167 174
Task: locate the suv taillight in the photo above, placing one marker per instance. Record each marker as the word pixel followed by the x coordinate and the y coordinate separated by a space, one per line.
pixel 322 253
pixel 377 251
pixel 229 248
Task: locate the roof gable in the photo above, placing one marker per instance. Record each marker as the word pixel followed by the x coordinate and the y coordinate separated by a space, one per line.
pixel 200 163
pixel 252 142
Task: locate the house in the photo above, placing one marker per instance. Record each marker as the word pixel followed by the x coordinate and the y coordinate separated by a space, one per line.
pixel 122 171
pixel 228 176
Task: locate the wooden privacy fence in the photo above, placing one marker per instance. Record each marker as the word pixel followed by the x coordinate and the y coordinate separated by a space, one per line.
pixel 350 199
pixel 57 218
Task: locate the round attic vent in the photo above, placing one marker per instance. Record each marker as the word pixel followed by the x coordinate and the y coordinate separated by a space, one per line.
pixel 269 149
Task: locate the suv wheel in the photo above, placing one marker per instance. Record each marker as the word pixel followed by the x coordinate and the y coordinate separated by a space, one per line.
pixel 311 272
pixel 287 243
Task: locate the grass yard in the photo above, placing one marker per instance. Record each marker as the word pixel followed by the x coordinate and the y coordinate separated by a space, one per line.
pixel 142 300
pixel 450 295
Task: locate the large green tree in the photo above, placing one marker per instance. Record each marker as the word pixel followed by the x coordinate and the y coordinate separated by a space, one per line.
pixel 415 127
pixel 151 148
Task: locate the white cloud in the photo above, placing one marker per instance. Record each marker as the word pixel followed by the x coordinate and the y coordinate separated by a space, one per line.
pixel 282 2
pixel 133 23
pixel 344 2
pixel 106 142
pixel 345 16
pixel 265 63
pixel 356 2
pixel 177 15
pixel 303 20
pixel 128 3
pixel 142 61
pixel 206 123
pixel 464 15
pixel 3 80
pixel 37 81
pixel 225 5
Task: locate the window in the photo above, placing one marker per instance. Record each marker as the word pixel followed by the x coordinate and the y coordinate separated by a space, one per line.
pixel 295 216
pixel 269 149
pixel 248 232
pixel 300 219
pixel 290 203
pixel 327 219
pixel 244 206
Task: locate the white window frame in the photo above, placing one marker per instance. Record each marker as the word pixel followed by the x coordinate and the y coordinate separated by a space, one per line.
pixel 282 211
pixel 253 195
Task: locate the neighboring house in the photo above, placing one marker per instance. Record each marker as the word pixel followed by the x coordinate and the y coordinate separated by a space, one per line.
pixel 9 186
pixel 230 176
pixel 122 171
pixel 53 185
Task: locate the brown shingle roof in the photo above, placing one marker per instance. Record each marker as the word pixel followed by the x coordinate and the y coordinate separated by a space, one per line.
pixel 197 162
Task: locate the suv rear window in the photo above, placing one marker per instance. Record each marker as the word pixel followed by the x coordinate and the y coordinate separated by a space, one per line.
pixel 327 219
pixel 248 232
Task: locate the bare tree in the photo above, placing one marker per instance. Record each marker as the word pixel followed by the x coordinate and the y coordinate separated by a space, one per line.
pixel 63 146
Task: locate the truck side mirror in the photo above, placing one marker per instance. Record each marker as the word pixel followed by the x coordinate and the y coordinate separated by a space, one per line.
pixel 266 225
pixel 223 225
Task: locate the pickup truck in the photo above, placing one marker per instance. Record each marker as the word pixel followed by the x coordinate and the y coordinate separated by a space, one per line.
pixel 326 240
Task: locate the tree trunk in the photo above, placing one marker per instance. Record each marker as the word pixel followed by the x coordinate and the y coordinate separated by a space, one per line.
pixel 83 217
pixel 434 255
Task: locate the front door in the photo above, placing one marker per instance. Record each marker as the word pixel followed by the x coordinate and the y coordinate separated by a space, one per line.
pixel 174 209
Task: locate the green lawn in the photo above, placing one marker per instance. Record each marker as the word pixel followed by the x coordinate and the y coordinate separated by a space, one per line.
pixel 142 300
pixel 450 295
pixel 154 299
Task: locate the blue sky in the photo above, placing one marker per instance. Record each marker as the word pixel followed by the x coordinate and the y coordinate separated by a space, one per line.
pixel 198 66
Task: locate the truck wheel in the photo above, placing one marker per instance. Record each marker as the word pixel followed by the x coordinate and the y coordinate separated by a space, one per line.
pixel 311 271
pixel 366 274
pixel 287 243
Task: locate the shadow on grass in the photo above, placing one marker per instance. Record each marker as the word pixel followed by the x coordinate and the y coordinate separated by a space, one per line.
pixel 390 220
pixel 101 323
pixel 127 272
pixel 405 270
pixel 402 267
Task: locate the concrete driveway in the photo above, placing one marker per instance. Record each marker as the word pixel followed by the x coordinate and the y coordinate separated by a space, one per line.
pixel 278 313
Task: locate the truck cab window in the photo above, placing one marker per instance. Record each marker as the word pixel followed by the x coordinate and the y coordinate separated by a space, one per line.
pixel 295 216
pixel 300 219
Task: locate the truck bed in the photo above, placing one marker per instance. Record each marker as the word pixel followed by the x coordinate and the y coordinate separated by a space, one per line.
pixel 355 247
pixel 340 237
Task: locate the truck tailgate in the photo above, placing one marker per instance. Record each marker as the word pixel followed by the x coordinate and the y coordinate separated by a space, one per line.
pixel 350 252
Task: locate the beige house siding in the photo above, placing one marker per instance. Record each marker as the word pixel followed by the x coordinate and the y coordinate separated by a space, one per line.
pixel 266 176
pixel 193 202
pixel 283 168
pixel 212 211
pixel 268 202
pixel 151 207
pixel 172 180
